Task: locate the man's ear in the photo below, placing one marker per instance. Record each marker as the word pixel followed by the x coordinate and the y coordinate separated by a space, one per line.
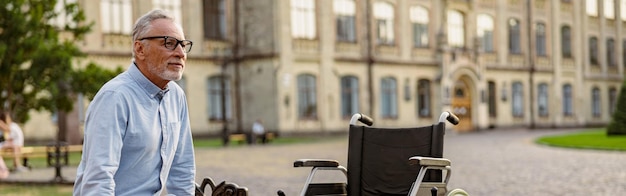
pixel 139 50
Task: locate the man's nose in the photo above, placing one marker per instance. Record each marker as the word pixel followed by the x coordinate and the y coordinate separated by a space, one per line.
pixel 179 50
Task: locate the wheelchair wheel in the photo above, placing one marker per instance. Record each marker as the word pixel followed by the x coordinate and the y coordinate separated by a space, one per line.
pixel 457 192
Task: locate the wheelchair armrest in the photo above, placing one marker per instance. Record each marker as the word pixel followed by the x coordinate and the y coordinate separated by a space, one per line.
pixel 429 161
pixel 315 163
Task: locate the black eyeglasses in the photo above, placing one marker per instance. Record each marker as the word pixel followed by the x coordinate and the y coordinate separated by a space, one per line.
pixel 171 43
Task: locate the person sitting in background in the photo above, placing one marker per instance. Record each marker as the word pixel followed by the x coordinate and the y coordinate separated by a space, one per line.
pixel 14 139
pixel 258 131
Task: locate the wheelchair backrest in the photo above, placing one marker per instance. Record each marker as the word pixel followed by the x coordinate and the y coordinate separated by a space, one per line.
pixel 378 158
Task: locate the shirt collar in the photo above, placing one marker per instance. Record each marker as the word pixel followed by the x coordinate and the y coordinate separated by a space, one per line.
pixel 147 85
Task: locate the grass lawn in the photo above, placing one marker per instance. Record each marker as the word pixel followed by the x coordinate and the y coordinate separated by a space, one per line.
pixel 589 139
pixel 35 190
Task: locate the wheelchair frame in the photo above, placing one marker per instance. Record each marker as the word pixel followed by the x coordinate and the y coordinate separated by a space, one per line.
pixel 426 163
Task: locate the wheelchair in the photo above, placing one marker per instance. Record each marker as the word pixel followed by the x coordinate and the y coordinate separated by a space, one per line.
pixel 387 161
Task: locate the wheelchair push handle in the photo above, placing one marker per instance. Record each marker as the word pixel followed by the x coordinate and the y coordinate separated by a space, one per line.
pixel 361 118
pixel 450 117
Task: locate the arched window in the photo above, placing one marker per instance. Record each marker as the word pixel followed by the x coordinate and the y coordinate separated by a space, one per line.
pixel 214 19
pixel 303 19
pixel 389 97
pixel 514 36
pixel 593 51
pixel 611 57
pixel 349 96
pixel 517 99
pixel 591 7
pixel 456 29
pixel 219 96
pixel 424 98
pixel 540 39
pixel 542 99
pixel 384 16
pixel 568 100
pixel 419 20
pixel 116 16
pixel 566 41
pixel 609 9
pixel 307 96
pixel 595 102
pixel 345 12
pixel 485 31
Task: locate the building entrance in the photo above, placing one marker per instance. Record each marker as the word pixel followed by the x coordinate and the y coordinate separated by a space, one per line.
pixel 462 106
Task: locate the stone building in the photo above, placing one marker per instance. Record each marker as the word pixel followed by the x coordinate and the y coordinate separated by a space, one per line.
pixel 304 66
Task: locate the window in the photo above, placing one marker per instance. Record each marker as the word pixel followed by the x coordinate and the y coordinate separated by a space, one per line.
pixel 116 16
pixel 609 9
pixel 63 18
pixel 307 96
pixel 215 19
pixel 303 19
pixel 593 51
pixel 542 99
pixel 514 37
pixel 349 96
pixel 219 97
pixel 517 99
pixel 423 98
pixel 592 7
pixel 172 6
pixel 567 100
pixel 485 32
pixel 492 99
pixel 624 53
pixel 595 102
pixel 612 100
pixel 566 41
pixel 419 19
pixel 389 97
pixel 384 16
pixel 622 10
pixel 456 29
pixel 345 11
pixel 540 39
pixel 611 58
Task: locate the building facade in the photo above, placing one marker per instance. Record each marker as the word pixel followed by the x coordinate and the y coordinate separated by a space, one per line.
pixel 305 66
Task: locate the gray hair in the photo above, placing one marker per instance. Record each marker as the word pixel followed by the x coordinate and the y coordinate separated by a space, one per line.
pixel 144 23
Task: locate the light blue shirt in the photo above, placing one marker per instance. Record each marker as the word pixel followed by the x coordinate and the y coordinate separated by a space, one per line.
pixel 137 143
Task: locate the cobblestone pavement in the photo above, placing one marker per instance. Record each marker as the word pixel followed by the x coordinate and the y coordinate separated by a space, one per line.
pixel 502 162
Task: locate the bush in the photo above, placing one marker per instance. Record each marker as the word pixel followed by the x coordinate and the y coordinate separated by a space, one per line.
pixel 618 123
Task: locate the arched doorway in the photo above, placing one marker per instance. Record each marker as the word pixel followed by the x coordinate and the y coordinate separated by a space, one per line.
pixel 462 105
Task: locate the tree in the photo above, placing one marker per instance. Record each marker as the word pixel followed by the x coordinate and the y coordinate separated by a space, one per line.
pixel 36 57
pixel 618 123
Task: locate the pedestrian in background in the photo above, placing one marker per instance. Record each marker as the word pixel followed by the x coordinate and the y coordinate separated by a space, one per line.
pixel 258 132
pixel 14 140
pixel 137 137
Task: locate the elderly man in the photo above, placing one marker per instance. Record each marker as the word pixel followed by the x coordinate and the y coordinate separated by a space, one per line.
pixel 137 135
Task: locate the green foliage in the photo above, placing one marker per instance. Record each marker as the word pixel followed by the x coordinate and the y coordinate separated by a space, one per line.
pixel 618 123
pixel 36 57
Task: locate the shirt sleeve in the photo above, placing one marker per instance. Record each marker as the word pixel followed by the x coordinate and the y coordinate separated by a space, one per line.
pixel 182 174
pixel 104 127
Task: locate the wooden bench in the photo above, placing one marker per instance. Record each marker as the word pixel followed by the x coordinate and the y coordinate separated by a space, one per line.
pixel 238 137
pixel 243 138
pixel 29 152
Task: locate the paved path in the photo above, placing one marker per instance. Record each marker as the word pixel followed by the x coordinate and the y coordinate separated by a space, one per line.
pixel 503 162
